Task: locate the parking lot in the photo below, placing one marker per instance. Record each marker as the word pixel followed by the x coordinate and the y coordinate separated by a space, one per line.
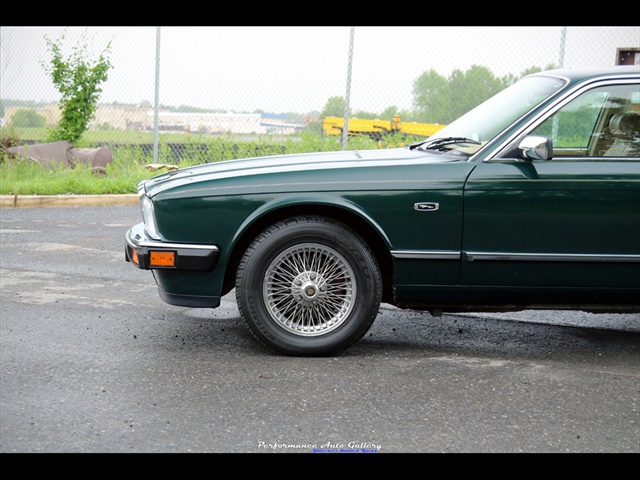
pixel 92 361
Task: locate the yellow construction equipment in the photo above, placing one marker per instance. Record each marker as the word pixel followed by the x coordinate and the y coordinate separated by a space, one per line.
pixel 376 129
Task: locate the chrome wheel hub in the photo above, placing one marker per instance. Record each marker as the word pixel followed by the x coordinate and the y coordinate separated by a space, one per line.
pixel 309 289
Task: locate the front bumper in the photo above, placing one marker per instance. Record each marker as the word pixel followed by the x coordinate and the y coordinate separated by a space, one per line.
pixel 148 254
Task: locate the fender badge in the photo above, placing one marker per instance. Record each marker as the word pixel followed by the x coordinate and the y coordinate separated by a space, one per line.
pixel 426 206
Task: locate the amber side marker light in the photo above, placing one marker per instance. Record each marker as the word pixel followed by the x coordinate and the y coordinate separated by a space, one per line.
pixel 134 256
pixel 162 259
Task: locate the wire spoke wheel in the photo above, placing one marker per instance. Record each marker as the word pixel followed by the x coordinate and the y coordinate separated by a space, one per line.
pixel 308 285
pixel 309 289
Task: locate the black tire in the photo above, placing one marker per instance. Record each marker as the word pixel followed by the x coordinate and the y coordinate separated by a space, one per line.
pixel 308 286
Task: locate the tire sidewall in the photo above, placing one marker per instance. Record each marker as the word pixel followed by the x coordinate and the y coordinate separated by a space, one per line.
pixel 294 232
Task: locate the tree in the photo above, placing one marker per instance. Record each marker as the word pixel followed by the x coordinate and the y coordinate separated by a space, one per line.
pixel 389 112
pixel 531 70
pixel 27 119
pixel 437 99
pixel 432 98
pixel 77 79
pixel 334 107
pixel 471 88
pixel 363 114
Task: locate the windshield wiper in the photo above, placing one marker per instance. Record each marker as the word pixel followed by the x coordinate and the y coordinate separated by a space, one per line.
pixel 438 143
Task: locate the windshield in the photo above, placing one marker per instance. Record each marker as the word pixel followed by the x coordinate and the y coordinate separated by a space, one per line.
pixel 480 125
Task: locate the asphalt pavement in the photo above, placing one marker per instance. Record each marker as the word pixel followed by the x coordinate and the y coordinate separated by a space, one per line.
pixel 92 361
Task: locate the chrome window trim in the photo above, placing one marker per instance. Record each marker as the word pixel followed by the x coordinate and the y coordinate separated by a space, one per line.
pixel 567 96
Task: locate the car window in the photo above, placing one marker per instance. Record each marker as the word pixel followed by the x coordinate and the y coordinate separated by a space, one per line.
pixel 603 123
pixel 483 123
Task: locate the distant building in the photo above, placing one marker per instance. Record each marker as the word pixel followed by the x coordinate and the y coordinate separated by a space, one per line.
pixel 274 123
pixel 206 123
pixel 143 119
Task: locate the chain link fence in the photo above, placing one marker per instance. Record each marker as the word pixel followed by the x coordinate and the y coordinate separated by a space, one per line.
pixel 171 85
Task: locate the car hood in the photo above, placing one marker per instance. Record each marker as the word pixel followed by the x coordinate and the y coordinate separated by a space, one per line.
pixel 280 172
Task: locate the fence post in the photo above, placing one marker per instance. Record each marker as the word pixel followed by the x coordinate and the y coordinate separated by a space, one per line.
pixel 347 100
pixel 157 100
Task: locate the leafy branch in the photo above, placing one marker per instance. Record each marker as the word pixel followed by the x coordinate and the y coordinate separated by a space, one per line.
pixel 77 79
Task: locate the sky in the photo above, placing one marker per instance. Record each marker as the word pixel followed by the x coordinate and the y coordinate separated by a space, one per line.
pixel 292 69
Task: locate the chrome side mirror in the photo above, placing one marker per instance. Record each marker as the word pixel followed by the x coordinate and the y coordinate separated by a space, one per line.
pixel 536 147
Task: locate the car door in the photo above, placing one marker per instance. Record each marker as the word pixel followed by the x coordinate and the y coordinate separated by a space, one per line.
pixel 573 221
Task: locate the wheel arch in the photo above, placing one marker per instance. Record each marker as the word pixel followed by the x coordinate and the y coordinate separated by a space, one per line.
pixel 344 212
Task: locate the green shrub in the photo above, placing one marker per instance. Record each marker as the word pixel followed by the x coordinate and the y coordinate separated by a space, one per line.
pixel 77 79
pixel 28 119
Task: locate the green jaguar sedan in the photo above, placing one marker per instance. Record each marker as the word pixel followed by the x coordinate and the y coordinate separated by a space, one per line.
pixel 529 201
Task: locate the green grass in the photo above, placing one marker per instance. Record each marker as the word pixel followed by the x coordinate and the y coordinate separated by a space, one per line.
pixel 126 170
pixel 28 178
pixel 97 137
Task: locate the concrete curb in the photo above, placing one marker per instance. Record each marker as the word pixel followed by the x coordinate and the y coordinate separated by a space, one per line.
pixel 35 201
